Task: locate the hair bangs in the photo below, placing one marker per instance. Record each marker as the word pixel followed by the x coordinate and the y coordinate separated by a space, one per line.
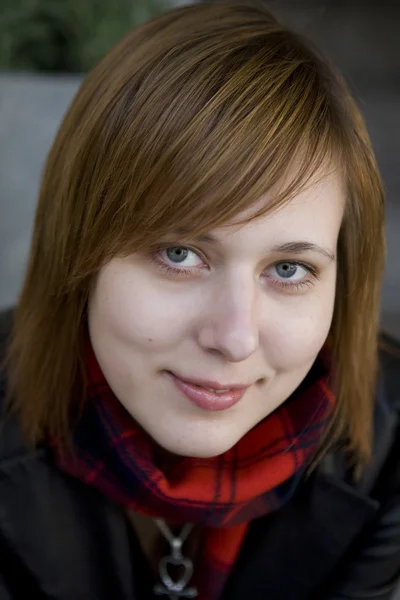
pixel 191 154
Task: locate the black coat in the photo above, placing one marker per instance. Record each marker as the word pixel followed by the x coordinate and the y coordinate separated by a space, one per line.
pixel 335 540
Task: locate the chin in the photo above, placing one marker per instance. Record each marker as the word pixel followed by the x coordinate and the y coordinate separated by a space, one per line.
pixel 193 447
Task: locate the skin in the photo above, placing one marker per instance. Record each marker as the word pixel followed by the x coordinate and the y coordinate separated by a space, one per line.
pixel 226 317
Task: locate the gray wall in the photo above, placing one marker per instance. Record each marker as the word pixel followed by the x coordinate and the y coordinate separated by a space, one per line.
pixel 363 41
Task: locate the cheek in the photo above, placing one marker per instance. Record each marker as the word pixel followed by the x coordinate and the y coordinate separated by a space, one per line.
pixel 295 335
pixel 134 310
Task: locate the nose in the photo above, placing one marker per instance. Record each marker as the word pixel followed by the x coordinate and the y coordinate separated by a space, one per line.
pixel 231 323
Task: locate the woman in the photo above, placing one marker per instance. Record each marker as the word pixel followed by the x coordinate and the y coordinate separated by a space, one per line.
pixel 196 406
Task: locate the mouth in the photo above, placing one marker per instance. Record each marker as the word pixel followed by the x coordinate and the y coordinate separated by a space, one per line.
pixel 209 395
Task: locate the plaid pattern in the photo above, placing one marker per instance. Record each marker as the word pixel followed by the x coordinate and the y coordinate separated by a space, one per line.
pixel 223 494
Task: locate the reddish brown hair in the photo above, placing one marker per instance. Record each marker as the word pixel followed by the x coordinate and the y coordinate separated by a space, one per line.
pixel 186 123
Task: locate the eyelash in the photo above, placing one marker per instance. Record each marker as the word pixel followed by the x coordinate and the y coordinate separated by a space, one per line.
pixel 184 273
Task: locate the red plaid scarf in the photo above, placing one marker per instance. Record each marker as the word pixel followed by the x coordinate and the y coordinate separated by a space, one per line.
pixel 223 494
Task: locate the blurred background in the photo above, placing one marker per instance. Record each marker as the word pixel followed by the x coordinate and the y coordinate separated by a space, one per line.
pixel 46 47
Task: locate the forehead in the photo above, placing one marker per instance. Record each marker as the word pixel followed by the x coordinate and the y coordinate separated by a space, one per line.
pixel 316 212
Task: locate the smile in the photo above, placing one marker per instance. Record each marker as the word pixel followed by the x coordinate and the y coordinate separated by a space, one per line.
pixel 211 396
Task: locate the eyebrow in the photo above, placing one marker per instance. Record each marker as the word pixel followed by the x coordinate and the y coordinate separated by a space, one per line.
pixel 296 247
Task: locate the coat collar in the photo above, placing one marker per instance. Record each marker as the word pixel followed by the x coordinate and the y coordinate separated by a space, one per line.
pixel 286 554
pixel 299 546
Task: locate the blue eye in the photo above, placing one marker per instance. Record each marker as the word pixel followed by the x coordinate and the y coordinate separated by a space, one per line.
pixel 177 254
pixel 178 260
pixel 291 275
pixel 286 270
pixel 181 255
pixel 290 271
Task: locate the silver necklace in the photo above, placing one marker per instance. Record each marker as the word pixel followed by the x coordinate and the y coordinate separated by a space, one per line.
pixel 175 589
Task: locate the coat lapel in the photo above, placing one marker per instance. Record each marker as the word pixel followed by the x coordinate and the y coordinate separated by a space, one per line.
pixel 70 542
pixel 289 553
pixel 292 552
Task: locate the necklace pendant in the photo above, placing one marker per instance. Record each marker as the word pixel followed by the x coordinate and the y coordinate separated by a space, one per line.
pixel 161 590
pixel 175 588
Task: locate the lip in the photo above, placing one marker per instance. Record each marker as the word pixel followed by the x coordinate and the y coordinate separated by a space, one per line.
pixel 205 399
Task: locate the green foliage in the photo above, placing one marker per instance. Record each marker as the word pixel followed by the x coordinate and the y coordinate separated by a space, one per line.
pixel 66 35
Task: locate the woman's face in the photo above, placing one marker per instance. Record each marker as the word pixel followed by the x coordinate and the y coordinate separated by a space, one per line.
pixel 245 306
